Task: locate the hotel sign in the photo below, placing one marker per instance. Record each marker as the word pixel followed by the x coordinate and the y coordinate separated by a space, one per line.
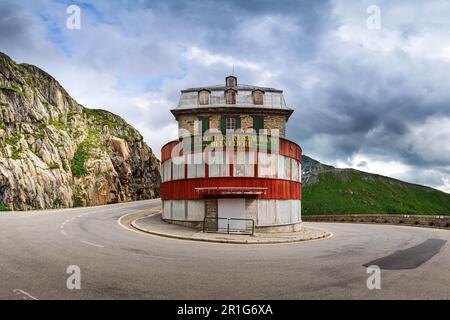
pixel 235 140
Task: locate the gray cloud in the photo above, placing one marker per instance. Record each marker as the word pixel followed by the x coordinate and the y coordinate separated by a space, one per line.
pixel 381 95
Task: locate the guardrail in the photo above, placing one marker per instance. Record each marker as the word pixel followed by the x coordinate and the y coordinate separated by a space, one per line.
pixel 229 229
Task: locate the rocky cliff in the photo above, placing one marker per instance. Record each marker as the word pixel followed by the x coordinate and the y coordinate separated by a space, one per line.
pixel 56 153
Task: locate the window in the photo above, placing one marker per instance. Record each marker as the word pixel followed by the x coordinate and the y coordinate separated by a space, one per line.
pixel 243 164
pixel 230 123
pixel 284 167
pixel 218 164
pixel 300 171
pixel 231 81
pixel 178 168
pixel 258 97
pixel 203 97
pixel 230 97
pixel 267 165
pixel 166 168
pixel 196 166
pixel 295 172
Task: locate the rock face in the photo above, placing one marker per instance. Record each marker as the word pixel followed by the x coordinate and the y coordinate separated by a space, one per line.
pixel 56 153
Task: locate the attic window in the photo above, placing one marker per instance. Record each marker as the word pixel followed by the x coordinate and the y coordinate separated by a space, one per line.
pixel 203 97
pixel 230 97
pixel 258 97
pixel 231 81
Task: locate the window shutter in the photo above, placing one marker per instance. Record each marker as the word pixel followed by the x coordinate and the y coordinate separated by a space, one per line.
pixel 238 122
pixel 222 124
pixel 205 124
pixel 258 123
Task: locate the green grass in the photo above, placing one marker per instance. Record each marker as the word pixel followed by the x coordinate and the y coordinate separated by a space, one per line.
pixel 16 153
pixel 58 124
pixel 4 207
pixel 52 166
pixel 350 192
pixel 82 154
pixel 14 89
pixel 38 154
pixel 14 139
pixel 103 117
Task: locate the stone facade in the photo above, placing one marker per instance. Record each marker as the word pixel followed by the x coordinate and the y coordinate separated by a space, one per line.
pixel 188 123
pixel 277 122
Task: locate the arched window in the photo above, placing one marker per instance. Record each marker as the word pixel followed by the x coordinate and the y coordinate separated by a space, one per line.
pixel 203 97
pixel 258 97
pixel 230 97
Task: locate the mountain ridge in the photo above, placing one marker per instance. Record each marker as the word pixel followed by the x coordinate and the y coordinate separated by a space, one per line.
pixel 330 190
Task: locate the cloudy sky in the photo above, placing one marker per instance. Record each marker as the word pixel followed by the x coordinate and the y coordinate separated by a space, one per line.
pixel 368 93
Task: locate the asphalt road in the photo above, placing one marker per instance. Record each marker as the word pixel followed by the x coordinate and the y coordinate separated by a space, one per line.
pixel 36 248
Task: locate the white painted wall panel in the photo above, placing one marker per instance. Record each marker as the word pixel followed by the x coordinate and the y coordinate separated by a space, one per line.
pixel 284 211
pixel 196 210
pixel 178 210
pixel 266 212
pixel 166 209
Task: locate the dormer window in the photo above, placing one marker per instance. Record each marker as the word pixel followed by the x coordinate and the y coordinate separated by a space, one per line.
pixel 231 81
pixel 258 97
pixel 230 97
pixel 203 97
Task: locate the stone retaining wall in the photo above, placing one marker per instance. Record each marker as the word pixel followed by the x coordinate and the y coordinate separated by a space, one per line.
pixel 410 220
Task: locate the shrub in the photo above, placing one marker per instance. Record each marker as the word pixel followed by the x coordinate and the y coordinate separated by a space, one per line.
pixel 78 161
pixel 57 203
pixel 77 201
pixel 4 207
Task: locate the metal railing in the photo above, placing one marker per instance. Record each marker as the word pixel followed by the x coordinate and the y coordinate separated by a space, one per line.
pixel 229 229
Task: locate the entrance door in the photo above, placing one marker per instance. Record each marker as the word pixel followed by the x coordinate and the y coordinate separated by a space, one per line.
pixel 231 208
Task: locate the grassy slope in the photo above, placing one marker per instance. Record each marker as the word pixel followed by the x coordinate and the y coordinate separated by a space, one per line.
pixel 347 191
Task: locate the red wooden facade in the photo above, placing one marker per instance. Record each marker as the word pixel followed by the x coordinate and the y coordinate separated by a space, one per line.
pixel 186 188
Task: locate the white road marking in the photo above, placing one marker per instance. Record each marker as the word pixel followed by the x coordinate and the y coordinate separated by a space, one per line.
pixel 63 233
pixel 92 244
pixel 25 295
